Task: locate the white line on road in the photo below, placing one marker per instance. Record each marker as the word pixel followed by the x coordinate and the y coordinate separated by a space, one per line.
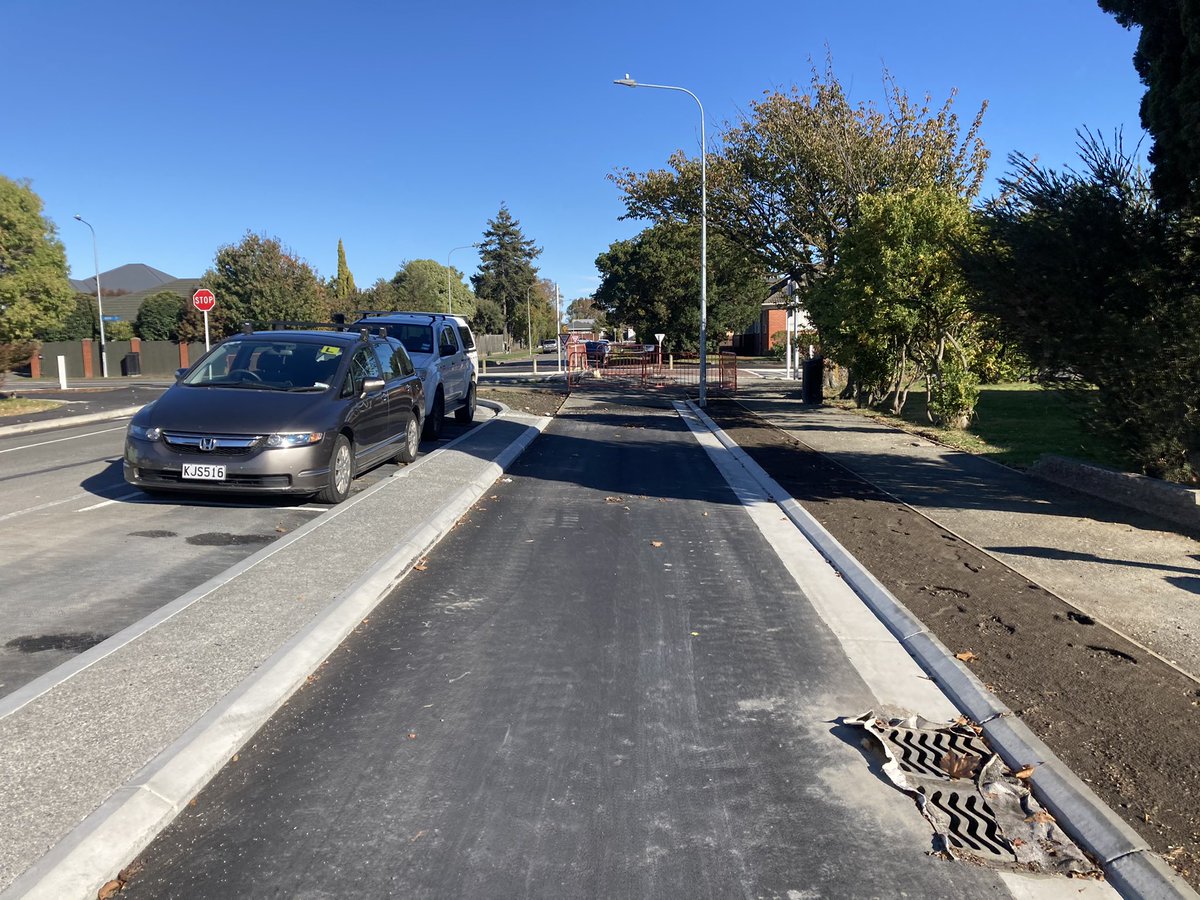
pixel 32 509
pixel 120 499
pixel 60 440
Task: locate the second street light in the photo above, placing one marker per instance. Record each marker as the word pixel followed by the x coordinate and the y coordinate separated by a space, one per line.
pixel 449 305
pixel 629 82
pixel 99 304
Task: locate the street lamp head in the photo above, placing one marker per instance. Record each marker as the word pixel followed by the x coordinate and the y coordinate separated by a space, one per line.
pixel 627 81
pixel 79 217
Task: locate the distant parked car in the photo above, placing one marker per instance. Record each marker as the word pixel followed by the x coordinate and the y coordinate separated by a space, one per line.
pixel 288 412
pixel 597 352
pixel 443 350
pixel 548 346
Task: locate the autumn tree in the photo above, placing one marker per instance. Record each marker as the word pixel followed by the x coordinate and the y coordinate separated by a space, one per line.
pixel 35 295
pixel 506 269
pixel 785 180
pixel 897 305
pixel 420 284
pixel 258 280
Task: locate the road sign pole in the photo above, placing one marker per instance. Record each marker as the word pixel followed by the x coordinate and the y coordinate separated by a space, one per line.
pixel 204 300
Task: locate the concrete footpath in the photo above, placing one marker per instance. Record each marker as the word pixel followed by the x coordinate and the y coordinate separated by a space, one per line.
pixel 100 753
pixel 1138 574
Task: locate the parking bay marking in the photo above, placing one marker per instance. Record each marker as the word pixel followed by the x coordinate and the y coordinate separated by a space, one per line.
pixel 73 437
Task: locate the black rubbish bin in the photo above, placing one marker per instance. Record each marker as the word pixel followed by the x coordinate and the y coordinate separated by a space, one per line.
pixel 131 364
pixel 812 389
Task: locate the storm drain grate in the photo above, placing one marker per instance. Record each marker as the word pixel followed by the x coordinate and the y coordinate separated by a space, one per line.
pixel 971 825
pixel 977 808
pixel 921 750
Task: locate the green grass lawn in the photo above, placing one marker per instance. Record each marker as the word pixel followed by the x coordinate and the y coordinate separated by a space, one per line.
pixel 1015 424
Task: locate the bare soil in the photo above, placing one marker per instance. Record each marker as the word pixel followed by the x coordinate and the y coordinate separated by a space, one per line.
pixel 1123 720
pixel 539 401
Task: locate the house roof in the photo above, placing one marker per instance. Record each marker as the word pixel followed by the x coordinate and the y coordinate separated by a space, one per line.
pixel 126 306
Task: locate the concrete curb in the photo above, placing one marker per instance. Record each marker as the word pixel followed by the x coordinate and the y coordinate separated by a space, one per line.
pixel 1177 503
pixel 68 421
pixel 1131 867
pixel 130 819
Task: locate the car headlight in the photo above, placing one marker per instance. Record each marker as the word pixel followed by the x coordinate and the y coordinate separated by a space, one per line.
pixel 295 438
pixel 143 433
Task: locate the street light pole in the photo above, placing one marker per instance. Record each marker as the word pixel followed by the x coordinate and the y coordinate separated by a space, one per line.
pixel 629 82
pixel 529 323
pixel 99 304
pixel 449 305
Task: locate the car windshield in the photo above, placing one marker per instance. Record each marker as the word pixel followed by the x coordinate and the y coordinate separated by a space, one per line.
pixel 415 338
pixel 268 364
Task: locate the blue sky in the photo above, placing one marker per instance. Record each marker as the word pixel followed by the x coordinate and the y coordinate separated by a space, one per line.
pixel 401 127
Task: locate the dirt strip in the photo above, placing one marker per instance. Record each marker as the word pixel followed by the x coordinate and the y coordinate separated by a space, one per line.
pixel 1124 721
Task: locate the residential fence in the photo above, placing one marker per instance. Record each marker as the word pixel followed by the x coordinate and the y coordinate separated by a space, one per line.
pixel 138 357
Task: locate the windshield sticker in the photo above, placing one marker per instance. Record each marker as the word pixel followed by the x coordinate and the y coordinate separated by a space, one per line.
pixel 332 351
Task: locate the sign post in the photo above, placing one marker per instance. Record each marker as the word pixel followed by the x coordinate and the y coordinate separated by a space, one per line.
pixel 659 338
pixel 204 300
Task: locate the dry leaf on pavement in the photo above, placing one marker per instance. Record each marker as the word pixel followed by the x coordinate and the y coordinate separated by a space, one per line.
pixel 956 766
pixel 656 543
pixel 1024 773
pixel 965 656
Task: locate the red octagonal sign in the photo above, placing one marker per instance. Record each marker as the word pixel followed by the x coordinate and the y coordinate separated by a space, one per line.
pixel 204 300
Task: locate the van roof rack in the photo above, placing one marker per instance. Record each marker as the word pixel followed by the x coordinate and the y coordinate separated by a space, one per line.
pixel 281 325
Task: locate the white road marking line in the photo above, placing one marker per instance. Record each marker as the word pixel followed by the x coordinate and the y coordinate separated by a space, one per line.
pixel 38 508
pixel 60 440
pixel 120 499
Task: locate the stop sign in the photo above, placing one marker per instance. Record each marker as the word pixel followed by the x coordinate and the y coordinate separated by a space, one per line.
pixel 204 300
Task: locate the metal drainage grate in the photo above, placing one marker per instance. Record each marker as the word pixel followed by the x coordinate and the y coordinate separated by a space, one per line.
pixel 971 825
pixel 920 750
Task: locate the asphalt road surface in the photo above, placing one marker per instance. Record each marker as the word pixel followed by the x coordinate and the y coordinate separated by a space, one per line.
pixel 602 684
pixel 86 554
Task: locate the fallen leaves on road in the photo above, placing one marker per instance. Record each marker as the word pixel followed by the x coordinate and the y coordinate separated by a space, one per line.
pixel 1041 816
pixel 959 766
pixel 114 887
pixel 966 656
pixel 614 499
pixel 422 564
pixel 656 544
pixel 1024 773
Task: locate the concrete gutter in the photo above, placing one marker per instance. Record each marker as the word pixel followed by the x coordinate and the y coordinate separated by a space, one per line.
pixel 1129 864
pixel 94 697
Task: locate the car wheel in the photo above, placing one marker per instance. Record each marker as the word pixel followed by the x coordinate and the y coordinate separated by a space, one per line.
pixel 433 425
pixel 465 414
pixel 341 472
pixel 412 438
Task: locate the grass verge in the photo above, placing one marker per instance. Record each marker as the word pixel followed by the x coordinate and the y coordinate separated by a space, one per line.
pixel 1015 424
pixel 18 406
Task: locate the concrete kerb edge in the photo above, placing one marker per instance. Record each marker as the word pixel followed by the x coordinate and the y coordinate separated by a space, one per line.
pixel 27 693
pixel 1083 815
pixel 68 421
pixel 134 815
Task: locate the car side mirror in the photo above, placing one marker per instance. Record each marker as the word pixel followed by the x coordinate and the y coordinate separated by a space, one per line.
pixel 371 386
pixel 179 373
